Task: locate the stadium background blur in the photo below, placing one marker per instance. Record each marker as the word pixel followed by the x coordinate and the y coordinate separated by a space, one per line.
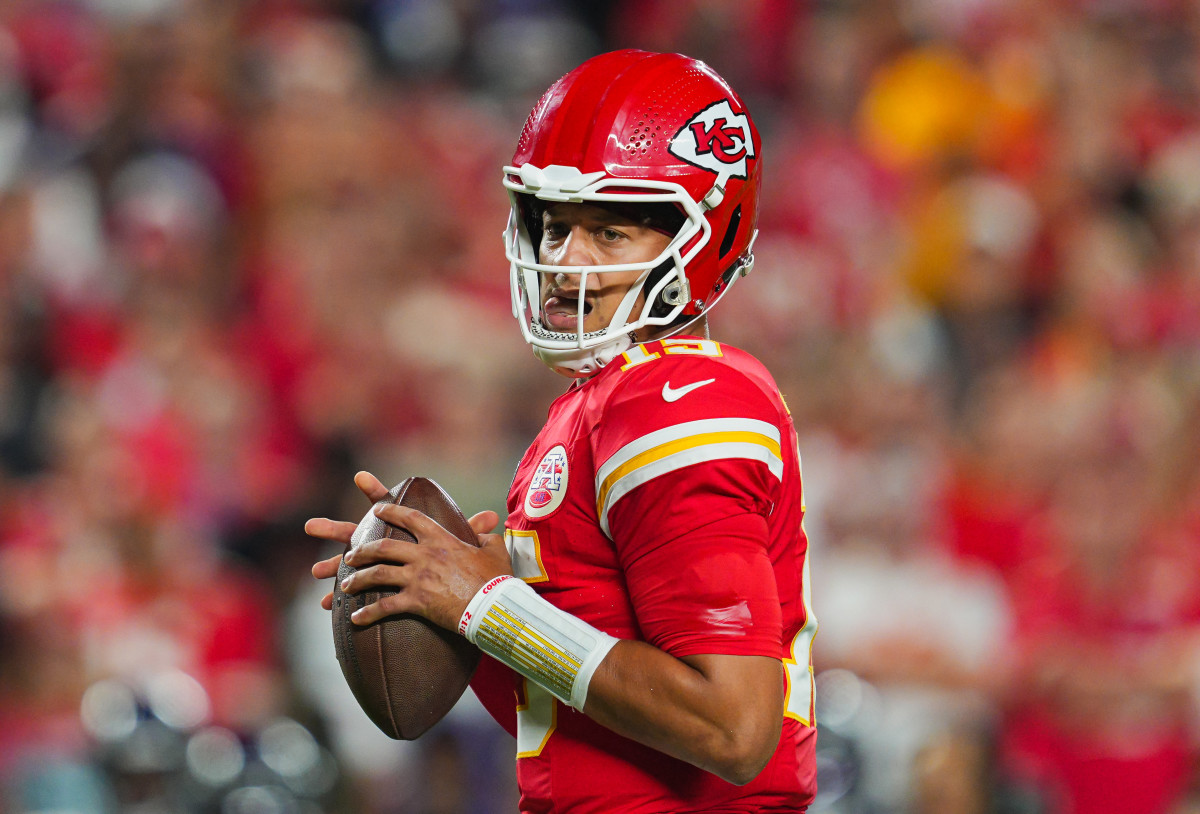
pixel 248 248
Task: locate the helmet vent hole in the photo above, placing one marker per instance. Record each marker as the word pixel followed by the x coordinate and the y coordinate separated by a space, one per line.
pixel 730 233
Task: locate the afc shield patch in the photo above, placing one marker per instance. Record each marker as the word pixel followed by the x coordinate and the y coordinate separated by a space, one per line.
pixel 548 486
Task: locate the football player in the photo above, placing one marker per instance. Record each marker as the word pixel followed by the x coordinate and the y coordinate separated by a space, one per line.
pixel 646 611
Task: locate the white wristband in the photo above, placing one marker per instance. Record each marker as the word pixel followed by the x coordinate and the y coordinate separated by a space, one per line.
pixel 508 620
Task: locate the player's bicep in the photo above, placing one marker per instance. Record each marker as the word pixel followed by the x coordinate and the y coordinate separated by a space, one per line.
pixel 711 590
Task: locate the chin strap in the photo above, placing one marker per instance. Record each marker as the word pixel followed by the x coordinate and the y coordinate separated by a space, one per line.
pixel 581 363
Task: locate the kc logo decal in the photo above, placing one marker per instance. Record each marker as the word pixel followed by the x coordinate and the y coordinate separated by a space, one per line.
pixel 548 486
pixel 716 139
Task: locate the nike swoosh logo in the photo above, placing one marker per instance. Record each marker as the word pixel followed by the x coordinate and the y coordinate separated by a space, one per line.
pixel 676 393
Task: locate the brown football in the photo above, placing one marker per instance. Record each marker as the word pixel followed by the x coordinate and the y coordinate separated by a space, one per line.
pixel 405 671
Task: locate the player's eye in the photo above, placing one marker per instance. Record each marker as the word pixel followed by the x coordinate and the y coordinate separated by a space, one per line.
pixel 611 235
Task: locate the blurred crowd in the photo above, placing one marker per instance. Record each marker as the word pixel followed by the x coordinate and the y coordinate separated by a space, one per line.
pixel 249 247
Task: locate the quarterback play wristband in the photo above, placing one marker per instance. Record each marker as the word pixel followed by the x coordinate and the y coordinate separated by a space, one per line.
pixel 508 620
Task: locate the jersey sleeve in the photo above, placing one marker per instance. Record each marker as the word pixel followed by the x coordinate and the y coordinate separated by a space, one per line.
pixel 711 590
pixel 685 488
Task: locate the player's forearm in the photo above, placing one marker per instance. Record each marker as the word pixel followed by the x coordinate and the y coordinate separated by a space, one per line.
pixel 720 713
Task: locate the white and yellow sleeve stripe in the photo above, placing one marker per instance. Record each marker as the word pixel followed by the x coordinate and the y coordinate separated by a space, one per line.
pixel 672 448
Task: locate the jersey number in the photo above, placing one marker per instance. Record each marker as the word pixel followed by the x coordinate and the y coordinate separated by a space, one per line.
pixel 537 709
pixel 801 687
pixel 537 718
pixel 639 355
pixel 801 699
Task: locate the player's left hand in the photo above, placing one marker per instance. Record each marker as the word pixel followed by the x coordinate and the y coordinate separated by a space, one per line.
pixel 435 578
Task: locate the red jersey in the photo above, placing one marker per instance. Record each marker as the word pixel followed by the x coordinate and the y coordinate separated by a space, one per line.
pixel 662 502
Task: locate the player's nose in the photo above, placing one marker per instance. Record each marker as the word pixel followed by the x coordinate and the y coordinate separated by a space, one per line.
pixel 572 281
pixel 577 250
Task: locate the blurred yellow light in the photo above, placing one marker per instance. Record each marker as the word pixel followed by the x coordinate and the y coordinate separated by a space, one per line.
pixel 927 104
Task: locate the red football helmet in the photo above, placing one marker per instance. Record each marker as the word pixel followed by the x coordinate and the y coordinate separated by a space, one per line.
pixel 633 127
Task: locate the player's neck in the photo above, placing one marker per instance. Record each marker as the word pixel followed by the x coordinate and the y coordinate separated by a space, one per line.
pixel 697 327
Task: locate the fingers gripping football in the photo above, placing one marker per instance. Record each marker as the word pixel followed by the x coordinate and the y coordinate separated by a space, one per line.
pixel 340 531
pixel 435 578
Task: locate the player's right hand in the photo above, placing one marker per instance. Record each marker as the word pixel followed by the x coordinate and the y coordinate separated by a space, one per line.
pixel 340 531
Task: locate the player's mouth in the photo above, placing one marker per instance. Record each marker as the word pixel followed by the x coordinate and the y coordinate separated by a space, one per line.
pixel 560 312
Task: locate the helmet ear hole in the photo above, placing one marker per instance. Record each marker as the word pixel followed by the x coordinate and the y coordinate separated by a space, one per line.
pixel 735 220
pixel 531 214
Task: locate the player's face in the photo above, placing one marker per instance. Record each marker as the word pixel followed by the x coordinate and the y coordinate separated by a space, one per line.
pixel 576 234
